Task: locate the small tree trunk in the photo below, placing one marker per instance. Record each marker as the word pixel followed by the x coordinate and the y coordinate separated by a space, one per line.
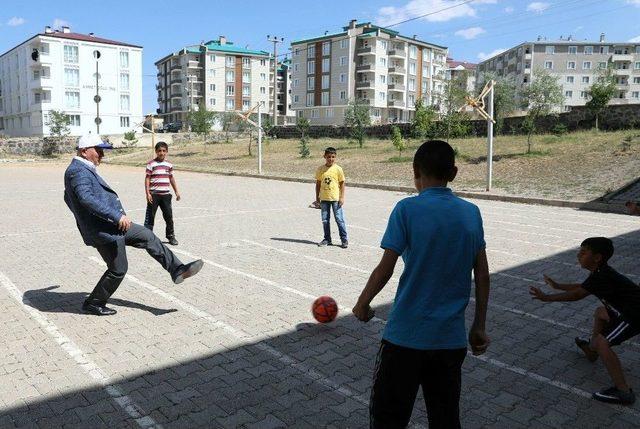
pixel 529 142
pixel 597 129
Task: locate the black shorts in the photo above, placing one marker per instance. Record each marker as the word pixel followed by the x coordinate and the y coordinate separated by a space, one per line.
pixel 618 330
pixel 398 374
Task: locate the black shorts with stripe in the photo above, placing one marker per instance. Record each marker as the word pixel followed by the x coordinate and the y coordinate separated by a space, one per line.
pixel 618 330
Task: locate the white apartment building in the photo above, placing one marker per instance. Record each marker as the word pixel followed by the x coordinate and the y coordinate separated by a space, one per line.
pixel 576 64
pixel 223 76
pixel 375 65
pixel 56 70
pixel 286 115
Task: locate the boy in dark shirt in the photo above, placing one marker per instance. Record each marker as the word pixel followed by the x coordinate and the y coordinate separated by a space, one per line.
pixel 615 322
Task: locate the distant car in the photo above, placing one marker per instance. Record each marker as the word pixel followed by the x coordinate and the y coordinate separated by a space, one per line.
pixel 172 127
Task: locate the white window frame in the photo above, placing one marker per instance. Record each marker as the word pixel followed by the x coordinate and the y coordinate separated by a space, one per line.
pixel 588 50
pixel 570 79
pixel 125 103
pixel 568 94
pixel 574 49
pixel 124 59
pixel 586 79
pixel 343 61
pixel 586 65
pixel 342 78
pixel 569 65
pixel 326 48
pixel 71 54
pixel 324 98
pixel 550 49
pixel 326 65
pixel 343 44
pixel 124 122
pixel 311 66
pixel 550 64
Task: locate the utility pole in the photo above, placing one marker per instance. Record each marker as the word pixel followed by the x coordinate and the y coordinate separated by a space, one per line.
pixel 96 98
pixel 275 40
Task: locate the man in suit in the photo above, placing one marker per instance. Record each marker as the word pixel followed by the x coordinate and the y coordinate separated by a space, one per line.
pixel 104 225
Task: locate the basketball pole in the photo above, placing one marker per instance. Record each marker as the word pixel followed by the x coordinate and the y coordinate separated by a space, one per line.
pixel 490 122
pixel 259 140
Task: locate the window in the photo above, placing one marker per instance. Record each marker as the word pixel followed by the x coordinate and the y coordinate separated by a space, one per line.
pixel 263 76
pixel 37 98
pixel 583 94
pixel 569 79
pixel 124 122
pixel 246 77
pixel 124 81
pixel 310 99
pixel 230 76
pixel 246 62
pixel 296 99
pixel 638 49
pixel 343 95
pixel 311 67
pixel 212 87
pixel 383 78
pixel 412 84
pixel 72 99
pixel 296 52
pixel 246 104
pixel 549 50
pixel 325 81
pixel 635 94
pixel 211 72
pixel 70 54
pixel 585 79
pixel 325 65
pixel 311 82
pixel 296 67
pixel 231 90
pixel 636 66
pixel 588 50
pixel 230 61
pixel 311 51
pixel 383 44
pixel 71 77
pixel 636 80
pixel 263 90
pixel 586 65
pixel 212 102
pixel 295 83
pixel 329 113
pixel 343 61
pixel 124 59
pixel 573 50
pixel 382 96
pixel 325 98
pixel 342 78
pixel 412 68
pixel 568 94
pixel 246 91
pixel 212 58
pixel 571 65
pixel 124 103
pixel 326 48
pixel 604 49
pixel 413 52
pixel 231 104
pixel 44 49
pixel 383 61
pixel 314 113
pixel 343 44
pixel 376 113
pixel 602 65
pixel 263 62
pixel 548 65
pixel 411 99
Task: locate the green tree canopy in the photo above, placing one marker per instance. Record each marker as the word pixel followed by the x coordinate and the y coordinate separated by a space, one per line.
pixel 601 92
pixel 357 117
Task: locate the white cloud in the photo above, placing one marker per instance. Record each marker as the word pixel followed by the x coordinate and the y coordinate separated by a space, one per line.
pixel 470 33
pixel 509 9
pixel 390 14
pixel 482 56
pixel 634 2
pixel 59 23
pixel 15 21
pixel 537 7
pixel 635 39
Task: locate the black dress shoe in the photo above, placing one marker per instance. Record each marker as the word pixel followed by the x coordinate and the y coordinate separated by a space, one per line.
pixel 173 241
pixel 188 270
pixel 98 310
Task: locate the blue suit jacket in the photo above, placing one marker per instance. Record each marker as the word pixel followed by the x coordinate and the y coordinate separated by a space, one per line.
pixel 94 204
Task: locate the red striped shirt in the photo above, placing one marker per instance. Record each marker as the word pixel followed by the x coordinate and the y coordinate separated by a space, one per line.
pixel 160 174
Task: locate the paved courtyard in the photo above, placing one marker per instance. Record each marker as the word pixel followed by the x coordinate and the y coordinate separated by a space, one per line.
pixel 236 346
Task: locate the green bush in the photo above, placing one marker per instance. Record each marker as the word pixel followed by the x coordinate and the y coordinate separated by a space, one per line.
pixel 559 129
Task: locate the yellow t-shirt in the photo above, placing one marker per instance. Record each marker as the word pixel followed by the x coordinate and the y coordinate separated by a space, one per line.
pixel 330 178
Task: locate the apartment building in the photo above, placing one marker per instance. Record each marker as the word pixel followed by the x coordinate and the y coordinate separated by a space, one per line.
pixel 56 70
pixel 463 71
pixel 375 65
pixel 575 63
pixel 223 76
pixel 286 115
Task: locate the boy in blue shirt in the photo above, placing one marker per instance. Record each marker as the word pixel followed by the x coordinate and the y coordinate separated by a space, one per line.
pixel 441 240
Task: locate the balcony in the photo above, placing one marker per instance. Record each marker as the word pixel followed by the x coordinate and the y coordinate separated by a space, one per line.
pixel 396 87
pixel 176 94
pixel 364 67
pixel 366 101
pixel 626 58
pixel 396 103
pixel 159 74
pixel 366 50
pixel 621 72
pixel 365 84
pixel 175 66
pixel 622 86
pixel 619 101
pixel 398 53
pixel 176 108
pixel 175 80
pixel 397 70
pixel 42 82
pixel 527 56
pixel 193 65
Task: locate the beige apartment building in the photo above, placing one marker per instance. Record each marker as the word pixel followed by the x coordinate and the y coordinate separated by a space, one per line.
pixel 223 76
pixel 575 63
pixel 378 66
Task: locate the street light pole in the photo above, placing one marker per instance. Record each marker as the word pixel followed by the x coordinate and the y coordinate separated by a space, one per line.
pixel 275 40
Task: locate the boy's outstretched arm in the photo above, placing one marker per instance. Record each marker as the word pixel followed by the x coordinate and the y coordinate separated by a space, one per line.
pixel 560 286
pixel 575 294
pixel 377 280
pixel 478 339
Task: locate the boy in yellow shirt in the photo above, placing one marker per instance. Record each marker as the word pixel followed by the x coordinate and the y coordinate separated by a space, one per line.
pixel 330 196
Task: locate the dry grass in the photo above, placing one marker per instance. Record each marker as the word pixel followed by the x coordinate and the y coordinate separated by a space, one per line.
pixel 577 166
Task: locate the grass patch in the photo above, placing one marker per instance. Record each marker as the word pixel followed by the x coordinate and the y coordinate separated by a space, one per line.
pixel 400 159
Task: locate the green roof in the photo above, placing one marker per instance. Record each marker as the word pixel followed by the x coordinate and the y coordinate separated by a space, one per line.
pixel 214 45
pixel 315 39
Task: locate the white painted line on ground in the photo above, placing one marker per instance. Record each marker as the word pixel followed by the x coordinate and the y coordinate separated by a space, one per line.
pixel 305 370
pixel 556 219
pixel 178 207
pixel 51 231
pixel 239 212
pixel 88 366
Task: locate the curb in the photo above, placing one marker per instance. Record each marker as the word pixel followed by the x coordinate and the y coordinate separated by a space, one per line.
pixel 406 189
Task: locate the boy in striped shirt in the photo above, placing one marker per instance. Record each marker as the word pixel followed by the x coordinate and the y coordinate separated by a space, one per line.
pixel 156 184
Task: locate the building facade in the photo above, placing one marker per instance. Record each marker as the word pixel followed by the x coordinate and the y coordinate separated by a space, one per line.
pixel 56 70
pixel 374 65
pixel 221 76
pixel 286 115
pixel 576 64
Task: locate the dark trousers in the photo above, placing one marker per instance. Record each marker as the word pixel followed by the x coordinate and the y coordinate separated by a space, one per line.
pixel 164 202
pixel 115 256
pixel 398 373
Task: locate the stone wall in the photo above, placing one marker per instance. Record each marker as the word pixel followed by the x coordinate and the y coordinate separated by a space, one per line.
pixel 39 146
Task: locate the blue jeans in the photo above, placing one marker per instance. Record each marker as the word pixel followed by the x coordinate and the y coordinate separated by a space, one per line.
pixel 325 212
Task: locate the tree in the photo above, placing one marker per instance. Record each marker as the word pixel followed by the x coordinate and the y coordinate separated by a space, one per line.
pixel 130 139
pixel 58 129
pixel 227 119
pixel 422 125
pixel 453 100
pixel 601 92
pixel 303 126
pixel 397 140
pixel 357 117
pixel 504 97
pixel 539 98
pixel 201 121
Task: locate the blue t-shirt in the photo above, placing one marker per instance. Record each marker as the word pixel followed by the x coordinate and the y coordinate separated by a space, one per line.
pixel 439 236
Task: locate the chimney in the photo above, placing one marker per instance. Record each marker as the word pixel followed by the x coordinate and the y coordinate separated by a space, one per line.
pixel 602 37
pixel 352 24
pixel 222 40
pixel 47 30
pixel 66 29
pixel 91 34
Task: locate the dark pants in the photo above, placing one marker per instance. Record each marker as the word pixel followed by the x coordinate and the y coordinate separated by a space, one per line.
pixel 164 202
pixel 398 373
pixel 338 214
pixel 115 256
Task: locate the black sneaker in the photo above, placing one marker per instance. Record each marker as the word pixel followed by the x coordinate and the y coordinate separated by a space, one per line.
pixel 344 244
pixel 324 243
pixel 585 346
pixel 613 395
pixel 173 241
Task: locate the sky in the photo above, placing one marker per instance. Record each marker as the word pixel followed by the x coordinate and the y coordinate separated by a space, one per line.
pixel 471 29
